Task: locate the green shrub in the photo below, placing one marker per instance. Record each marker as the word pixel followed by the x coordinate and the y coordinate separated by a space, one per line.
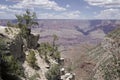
pixel 47 49
pixel 31 59
pixel 53 73
pixel 13 65
pixel 25 22
pixel 11 68
pixel 56 56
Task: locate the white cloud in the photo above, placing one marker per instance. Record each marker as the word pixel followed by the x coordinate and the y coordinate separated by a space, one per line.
pixel 104 3
pixel 6 8
pixel 3 7
pixel 64 15
pixel 44 4
pixel 109 14
pixel 20 5
pixel 67 6
pixel 14 0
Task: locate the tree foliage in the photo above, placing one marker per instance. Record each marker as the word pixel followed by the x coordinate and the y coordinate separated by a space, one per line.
pixel 31 59
pixel 46 49
pixel 10 67
pixel 25 22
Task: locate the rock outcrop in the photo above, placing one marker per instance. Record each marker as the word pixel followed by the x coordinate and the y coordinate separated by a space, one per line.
pixel 21 48
pixel 13 41
pixel 17 46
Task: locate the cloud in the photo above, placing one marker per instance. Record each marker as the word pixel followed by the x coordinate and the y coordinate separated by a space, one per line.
pixel 3 7
pixel 20 6
pixel 10 11
pixel 7 12
pixel 109 14
pixel 15 0
pixel 64 15
pixel 44 4
pixel 104 3
pixel 67 6
pixel 1 12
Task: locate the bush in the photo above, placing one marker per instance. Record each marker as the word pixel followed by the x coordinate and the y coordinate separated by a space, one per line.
pixel 31 59
pixel 13 64
pixel 53 73
pixel 11 68
pixel 56 56
pixel 47 49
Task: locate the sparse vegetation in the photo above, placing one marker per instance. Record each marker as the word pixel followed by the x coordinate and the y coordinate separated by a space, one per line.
pixel 31 59
pixel 8 30
pixel 109 67
pixel 111 70
pixel 57 56
pixel 53 73
pixel 34 77
pixel 50 50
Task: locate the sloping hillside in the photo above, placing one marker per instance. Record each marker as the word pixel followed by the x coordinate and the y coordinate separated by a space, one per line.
pixel 99 51
pixel 106 56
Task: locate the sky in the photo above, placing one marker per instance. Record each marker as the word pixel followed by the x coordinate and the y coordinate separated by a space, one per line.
pixel 62 9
